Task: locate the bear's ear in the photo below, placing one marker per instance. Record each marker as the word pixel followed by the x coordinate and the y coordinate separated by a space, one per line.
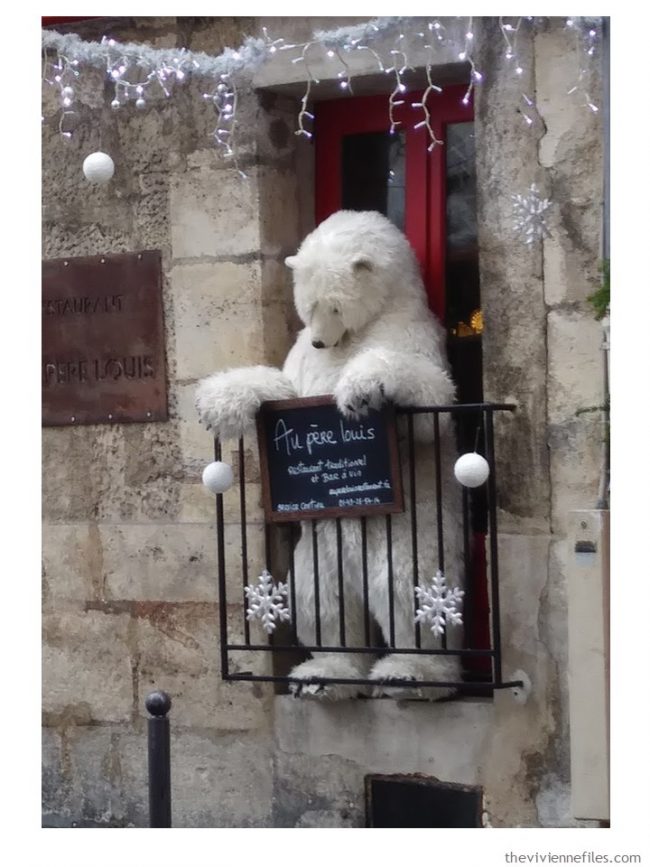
pixel 290 262
pixel 361 264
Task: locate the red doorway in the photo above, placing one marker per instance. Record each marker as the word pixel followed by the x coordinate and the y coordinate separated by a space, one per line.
pixel 361 165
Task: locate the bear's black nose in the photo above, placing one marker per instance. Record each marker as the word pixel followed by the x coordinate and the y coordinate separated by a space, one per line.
pixel 318 344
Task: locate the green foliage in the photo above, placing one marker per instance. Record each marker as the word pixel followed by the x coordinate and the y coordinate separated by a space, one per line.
pixel 600 298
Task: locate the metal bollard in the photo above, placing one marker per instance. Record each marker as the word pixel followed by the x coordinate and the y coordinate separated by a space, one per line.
pixel 160 793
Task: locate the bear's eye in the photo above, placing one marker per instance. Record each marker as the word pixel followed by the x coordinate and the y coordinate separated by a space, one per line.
pixel 335 310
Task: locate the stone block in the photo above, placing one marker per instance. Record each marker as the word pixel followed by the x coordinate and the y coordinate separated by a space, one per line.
pixel 201 289
pixel 575 369
pixel 521 455
pixel 196 444
pixel 573 133
pixel 87 666
pixel 178 651
pixel 317 793
pixel 576 459
pixel 523 574
pixel 111 472
pixel 445 740
pixel 171 562
pixel 571 257
pixel 151 214
pixel 278 203
pixel 72 563
pixel 144 140
pixel 175 562
pixel 213 213
pixel 198 504
pixel 277 320
pixel 277 283
pixel 276 123
pixel 95 776
pixel 221 781
pixel 67 484
pixel 214 329
pixel 53 782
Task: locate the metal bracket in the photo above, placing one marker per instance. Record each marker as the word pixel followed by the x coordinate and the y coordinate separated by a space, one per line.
pixel 521 693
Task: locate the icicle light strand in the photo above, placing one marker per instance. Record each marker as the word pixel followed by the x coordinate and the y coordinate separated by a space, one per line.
pixel 587 32
pixel 431 87
pixel 140 74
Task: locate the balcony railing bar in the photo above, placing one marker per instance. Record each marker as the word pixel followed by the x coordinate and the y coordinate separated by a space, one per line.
pixel 321 648
pixel 244 541
pixel 494 555
pixel 221 574
pixel 414 524
pixel 314 540
pixel 455 684
pixel 469 607
pixel 455 408
pixel 364 571
pixel 293 530
pixel 339 565
pixel 391 597
pixel 438 462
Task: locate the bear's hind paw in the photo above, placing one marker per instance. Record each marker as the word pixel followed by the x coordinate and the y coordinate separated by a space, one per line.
pixel 414 670
pixel 324 668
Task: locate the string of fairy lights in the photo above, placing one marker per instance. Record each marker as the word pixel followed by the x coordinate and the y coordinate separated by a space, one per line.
pixel 141 75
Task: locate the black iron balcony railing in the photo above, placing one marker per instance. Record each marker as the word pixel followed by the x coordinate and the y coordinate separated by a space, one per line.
pixel 244 657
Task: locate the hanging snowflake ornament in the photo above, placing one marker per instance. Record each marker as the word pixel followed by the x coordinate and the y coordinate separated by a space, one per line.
pixel 440 604
pixel 267 602
pixel 529 213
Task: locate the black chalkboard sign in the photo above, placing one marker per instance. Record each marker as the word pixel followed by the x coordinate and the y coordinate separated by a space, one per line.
pixel 318 464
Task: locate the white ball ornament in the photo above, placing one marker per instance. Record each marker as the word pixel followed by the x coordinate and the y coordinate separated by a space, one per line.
pixel 98 168
pixel 217 477
pixel 471 470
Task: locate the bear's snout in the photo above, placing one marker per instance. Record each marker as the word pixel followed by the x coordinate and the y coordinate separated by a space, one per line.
pixel 318 344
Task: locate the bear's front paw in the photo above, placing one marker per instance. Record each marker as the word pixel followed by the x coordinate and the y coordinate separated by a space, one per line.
pixel 223 407
pixel 228 402
pixel 356 394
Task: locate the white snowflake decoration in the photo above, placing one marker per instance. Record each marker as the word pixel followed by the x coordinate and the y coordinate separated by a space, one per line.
pixel 530 215
pixel 267 602
pixel 440 604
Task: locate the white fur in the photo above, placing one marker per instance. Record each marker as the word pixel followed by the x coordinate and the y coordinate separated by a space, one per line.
pixel 228 402
pixel 358 291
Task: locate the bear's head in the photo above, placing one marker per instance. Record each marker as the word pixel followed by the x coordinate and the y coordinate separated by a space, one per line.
pixel 352 268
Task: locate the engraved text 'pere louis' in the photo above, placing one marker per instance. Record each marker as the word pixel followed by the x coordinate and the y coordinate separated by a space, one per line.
pixel 91 370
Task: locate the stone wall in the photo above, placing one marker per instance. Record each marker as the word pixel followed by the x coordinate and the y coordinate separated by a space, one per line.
pixel 129 584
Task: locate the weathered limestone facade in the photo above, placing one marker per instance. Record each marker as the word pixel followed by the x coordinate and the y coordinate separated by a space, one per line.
pixel 129 580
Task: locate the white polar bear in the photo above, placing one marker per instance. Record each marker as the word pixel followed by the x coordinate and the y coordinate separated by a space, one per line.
pixel 369 337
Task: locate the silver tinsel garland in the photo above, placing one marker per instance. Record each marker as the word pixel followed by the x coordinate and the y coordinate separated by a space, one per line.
pixel 140 73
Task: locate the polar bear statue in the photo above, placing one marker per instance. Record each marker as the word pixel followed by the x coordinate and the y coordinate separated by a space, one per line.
pixel 369 337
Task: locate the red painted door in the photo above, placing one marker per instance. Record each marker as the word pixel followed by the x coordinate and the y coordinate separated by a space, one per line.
pixel 425 193
pixel 357 158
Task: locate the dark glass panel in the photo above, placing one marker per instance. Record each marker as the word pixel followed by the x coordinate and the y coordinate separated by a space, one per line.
pixel 372 173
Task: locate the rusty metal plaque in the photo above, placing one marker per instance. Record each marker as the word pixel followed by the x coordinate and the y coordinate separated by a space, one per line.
pixel 103 358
